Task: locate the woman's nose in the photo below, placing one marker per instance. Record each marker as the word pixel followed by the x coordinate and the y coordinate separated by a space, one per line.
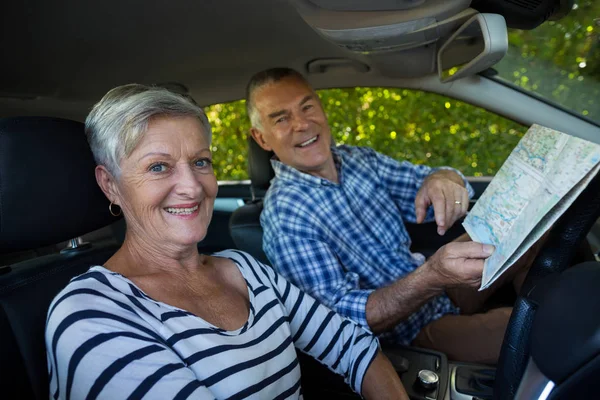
pixel 187 182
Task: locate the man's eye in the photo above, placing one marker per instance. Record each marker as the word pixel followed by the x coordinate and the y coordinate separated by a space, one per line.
pixel 308 107
pixel 158 168
pixel 280 119
pixel 204 163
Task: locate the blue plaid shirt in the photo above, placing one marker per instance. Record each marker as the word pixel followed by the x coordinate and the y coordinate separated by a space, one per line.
pixel 339 242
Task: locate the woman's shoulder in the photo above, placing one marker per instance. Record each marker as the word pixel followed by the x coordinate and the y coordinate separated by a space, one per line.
pixel 251 268
pixel 94 289
pixel 96 277
pixel 237 256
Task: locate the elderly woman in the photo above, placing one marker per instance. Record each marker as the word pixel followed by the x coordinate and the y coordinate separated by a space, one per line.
pixel 159 320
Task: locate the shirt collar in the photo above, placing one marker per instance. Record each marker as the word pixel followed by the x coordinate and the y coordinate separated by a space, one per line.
pixel 285 172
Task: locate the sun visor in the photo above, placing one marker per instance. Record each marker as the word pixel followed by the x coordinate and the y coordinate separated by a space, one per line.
pixel 375 31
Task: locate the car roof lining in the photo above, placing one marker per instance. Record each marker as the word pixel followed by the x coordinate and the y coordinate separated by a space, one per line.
pixel 65 55
pixel 74 51
pixel 79 50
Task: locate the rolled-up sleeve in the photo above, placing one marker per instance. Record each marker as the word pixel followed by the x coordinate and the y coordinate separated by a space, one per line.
pixel 403 180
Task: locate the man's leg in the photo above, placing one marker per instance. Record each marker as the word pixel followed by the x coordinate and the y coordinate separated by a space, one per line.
pixel 471 300
pixel 471 338
pixel 474 336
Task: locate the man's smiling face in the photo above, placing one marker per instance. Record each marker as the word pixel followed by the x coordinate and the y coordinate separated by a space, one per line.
pixel 294 126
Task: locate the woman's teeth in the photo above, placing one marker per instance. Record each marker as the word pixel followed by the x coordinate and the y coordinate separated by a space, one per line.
pixel 181 211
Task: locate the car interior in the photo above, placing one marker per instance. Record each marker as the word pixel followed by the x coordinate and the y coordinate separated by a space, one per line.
pixel 54 220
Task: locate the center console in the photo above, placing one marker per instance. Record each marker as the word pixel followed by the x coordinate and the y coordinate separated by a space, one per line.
pixel 427 375
pixel 470 382
pixel 423 372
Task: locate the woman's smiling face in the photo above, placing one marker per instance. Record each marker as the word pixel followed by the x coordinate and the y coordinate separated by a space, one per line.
pixel 167 186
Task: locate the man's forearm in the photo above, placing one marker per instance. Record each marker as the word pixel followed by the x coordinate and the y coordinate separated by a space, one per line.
pixel 389 305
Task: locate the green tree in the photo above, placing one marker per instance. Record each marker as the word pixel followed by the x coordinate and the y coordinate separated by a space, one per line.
pixel 560 60
pixel 405 124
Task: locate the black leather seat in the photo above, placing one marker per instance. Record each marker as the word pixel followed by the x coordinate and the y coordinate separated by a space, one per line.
pixel 244 224
pixel 564 360
pixel 48 194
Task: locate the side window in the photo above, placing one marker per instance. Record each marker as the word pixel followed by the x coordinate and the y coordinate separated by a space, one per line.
pixel 412 125
pixel 422 127
pixel 559 60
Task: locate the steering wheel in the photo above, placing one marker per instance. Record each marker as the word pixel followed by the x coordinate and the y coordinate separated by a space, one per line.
pixel 555 256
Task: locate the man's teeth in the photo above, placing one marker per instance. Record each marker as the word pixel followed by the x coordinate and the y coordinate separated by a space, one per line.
pixel 181 211
pixel 309 141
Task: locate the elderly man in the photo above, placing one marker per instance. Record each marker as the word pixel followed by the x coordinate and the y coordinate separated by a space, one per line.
pixel 333 224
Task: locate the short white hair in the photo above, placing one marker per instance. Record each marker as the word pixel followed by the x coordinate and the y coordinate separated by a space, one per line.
pixel 119 120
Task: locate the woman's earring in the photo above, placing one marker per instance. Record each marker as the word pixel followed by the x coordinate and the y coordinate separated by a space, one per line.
pixel 112 212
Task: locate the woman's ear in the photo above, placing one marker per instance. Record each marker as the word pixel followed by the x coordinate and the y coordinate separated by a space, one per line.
pixel 107 183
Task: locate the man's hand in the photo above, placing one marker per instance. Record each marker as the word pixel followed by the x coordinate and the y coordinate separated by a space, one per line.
pixel 445 190
pixel 459 264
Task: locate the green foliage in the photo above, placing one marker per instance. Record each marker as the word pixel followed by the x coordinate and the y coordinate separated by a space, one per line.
pixel 559 60
pixel 231 127
pixel 423 128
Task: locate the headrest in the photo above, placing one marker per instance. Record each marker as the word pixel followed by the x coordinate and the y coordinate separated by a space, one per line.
pixel 259 165
pixel 48 190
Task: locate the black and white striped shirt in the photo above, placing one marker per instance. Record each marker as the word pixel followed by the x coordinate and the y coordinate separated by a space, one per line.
pixel 105 338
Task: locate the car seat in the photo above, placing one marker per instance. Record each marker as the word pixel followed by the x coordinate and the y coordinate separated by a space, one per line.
pixel 244 224
pixel 48 194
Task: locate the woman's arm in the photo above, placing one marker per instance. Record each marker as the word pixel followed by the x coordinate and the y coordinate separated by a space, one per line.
pixel 336 342
pixel 381 381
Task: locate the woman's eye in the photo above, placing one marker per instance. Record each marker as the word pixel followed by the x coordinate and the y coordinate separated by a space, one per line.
pixel 158 168
pixel 203 163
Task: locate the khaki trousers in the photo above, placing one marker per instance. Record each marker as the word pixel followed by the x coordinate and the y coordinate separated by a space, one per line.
pixel 475 336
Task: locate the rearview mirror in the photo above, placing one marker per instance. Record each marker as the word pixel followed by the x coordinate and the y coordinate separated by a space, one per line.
pixel 478 44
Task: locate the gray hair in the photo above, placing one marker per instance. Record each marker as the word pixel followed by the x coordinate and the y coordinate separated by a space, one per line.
pixel 262 78
pixel 119 120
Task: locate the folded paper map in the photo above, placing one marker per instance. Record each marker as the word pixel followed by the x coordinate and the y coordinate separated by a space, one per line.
pixel 540 179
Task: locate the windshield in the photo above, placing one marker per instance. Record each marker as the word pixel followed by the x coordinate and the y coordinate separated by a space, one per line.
pixel 559 60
